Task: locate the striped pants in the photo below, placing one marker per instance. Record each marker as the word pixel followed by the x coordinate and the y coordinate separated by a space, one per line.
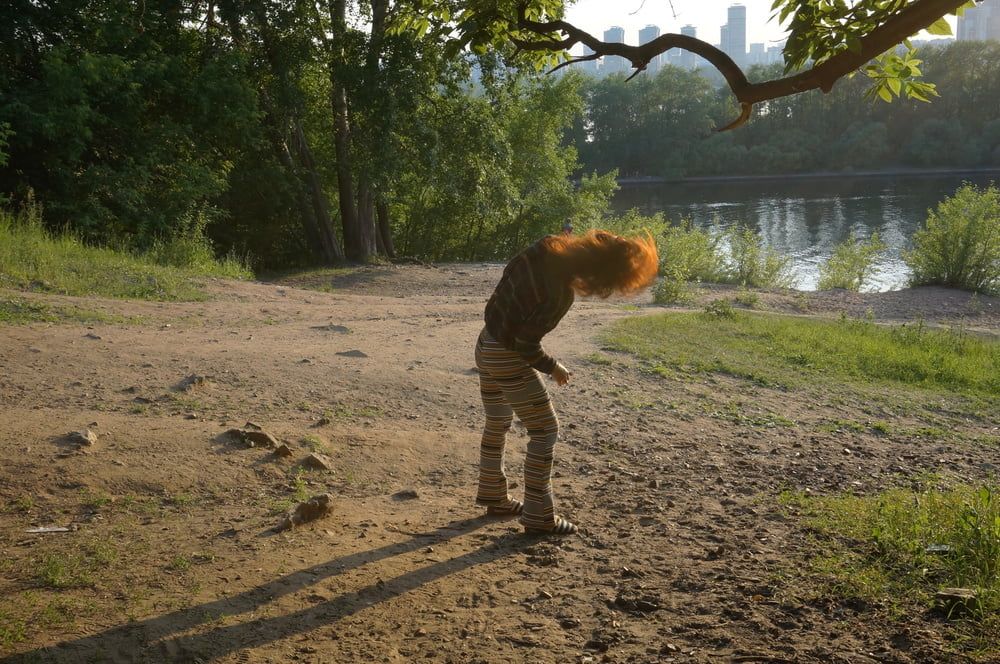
pixel 508 386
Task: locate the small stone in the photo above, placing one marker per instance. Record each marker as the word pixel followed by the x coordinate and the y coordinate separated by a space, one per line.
pixel 406 494
pixel 261 437
pixel 83 438
pixel 420 632
pixel 955 601
pixel 193 382
pixel 654 484
pixel 314 508
pixel 319 461
pixel 847 450
pixel 352 353
pixel 569 623
pixel 545 594
pixel 91 335
pixel 282 450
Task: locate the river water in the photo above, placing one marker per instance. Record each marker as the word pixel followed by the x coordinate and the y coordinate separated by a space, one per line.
pixel 806 218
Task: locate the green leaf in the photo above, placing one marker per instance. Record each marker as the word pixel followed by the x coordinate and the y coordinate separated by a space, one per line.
pixel 894 84
pixel 884 93
pixel 939 27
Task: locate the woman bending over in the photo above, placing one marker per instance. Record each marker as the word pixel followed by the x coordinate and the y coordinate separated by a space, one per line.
pixel 535 292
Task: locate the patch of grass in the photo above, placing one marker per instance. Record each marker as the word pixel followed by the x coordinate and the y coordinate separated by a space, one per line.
pixel 32 258
pixel 746 298
pixel 180 563
pixel 21 311
pixel 13 628
pixel 181 500
pixel 95 500
pixel 314 442
pixel 599 358
pixel 902 546
pixel 784 350
pixel 22 504
pixel 58 570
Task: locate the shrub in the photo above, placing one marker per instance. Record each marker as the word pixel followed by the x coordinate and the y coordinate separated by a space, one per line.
pixel 959 245
pixel 851 265
pixel 750 263
pixel 689 253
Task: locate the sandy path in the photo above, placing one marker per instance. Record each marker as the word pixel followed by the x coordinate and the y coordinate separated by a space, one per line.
pixel 683 553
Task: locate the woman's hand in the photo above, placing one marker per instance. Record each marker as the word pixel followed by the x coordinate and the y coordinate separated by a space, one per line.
pixel 560 374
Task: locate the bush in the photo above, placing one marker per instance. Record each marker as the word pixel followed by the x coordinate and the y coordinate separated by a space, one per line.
pixel 688 253
pixel 851 265
pixel 959 245
pixel 750 263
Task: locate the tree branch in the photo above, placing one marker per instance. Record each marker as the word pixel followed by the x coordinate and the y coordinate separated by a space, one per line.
pixel 899 27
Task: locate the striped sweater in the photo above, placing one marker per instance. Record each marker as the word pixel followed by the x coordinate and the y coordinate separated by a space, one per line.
pixel 527 304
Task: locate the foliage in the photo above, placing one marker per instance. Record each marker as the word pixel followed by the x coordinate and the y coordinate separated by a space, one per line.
pixel 492 174
pixel 851 264
pixel 959 245
pixel 909 543
pixel 640 129
pixel 803 351
pixel 750 263
pixel 36 259
pixel 688 253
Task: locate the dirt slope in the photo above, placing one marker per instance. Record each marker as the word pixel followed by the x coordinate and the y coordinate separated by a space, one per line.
pixel 170 556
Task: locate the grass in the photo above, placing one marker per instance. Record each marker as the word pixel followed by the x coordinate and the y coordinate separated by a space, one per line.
pixel 20 311
pixel 60 571
pixel 32 258
pixel 897 548
pixel 799 351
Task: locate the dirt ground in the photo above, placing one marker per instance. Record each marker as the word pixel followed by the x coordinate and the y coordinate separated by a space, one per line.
pixel 684 556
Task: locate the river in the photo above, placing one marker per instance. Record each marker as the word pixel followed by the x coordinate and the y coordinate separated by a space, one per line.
pixel 805 218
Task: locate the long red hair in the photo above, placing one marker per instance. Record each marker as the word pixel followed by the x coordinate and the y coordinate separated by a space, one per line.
pixel 601 263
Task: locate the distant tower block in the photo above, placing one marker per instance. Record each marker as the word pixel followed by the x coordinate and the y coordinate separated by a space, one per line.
pixel 590 66
pixel 734 34
pixel 687 57
pixel 646 35
pixel 615 64
pixel 980 23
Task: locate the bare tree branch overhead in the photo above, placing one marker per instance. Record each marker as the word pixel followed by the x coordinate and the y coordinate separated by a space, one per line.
pixel 560 36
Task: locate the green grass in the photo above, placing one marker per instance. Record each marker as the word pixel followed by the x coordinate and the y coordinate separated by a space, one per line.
pixel 20 311
pixel 897 548
pixel 794 352
pixel 32 258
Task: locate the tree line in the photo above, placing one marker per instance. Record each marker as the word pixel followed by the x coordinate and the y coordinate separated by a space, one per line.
pixel 296 132
pixel 663 125
pixel 300 133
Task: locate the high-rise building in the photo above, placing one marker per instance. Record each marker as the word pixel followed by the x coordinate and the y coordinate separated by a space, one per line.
pixel 646 35
pixel 614 64
pixel 589 66
pixel 980 23
pixel 756 55
pixel 734 34
pixel 774 55
pixel 687 59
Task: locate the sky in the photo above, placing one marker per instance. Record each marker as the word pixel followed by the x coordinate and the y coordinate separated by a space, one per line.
pixel 596 16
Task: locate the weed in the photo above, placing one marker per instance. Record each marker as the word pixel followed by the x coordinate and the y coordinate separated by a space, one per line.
pixel 746 298
pixel 720 309
pixel 851 264
pixel 179 563
pixel 56 570
pixel 313 442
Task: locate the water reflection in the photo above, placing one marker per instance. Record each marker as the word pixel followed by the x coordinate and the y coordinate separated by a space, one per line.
pixel 806 219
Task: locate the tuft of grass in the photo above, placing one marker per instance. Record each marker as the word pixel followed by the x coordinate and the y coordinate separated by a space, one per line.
pixel 180 563
pixel 901 546
pixel 33 258
pixel 314 442
pixel 800 351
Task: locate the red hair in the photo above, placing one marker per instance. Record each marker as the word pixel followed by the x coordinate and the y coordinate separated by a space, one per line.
pixel 601 263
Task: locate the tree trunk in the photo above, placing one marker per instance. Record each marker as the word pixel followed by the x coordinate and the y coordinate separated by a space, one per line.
pixel 324 224
pixel 384 229
pixel 354 240
pixel 366 216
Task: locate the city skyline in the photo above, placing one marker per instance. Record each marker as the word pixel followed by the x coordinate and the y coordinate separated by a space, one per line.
pixel 708 18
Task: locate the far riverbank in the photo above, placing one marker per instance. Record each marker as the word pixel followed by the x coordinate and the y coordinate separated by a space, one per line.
pixel 822 175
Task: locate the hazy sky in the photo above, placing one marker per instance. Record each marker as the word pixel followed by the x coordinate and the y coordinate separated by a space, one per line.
pixel 595 16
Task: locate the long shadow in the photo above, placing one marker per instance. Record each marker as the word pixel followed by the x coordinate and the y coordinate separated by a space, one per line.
pixel 134 642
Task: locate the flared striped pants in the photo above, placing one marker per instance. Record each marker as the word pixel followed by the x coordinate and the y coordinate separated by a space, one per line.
pixel 509 386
